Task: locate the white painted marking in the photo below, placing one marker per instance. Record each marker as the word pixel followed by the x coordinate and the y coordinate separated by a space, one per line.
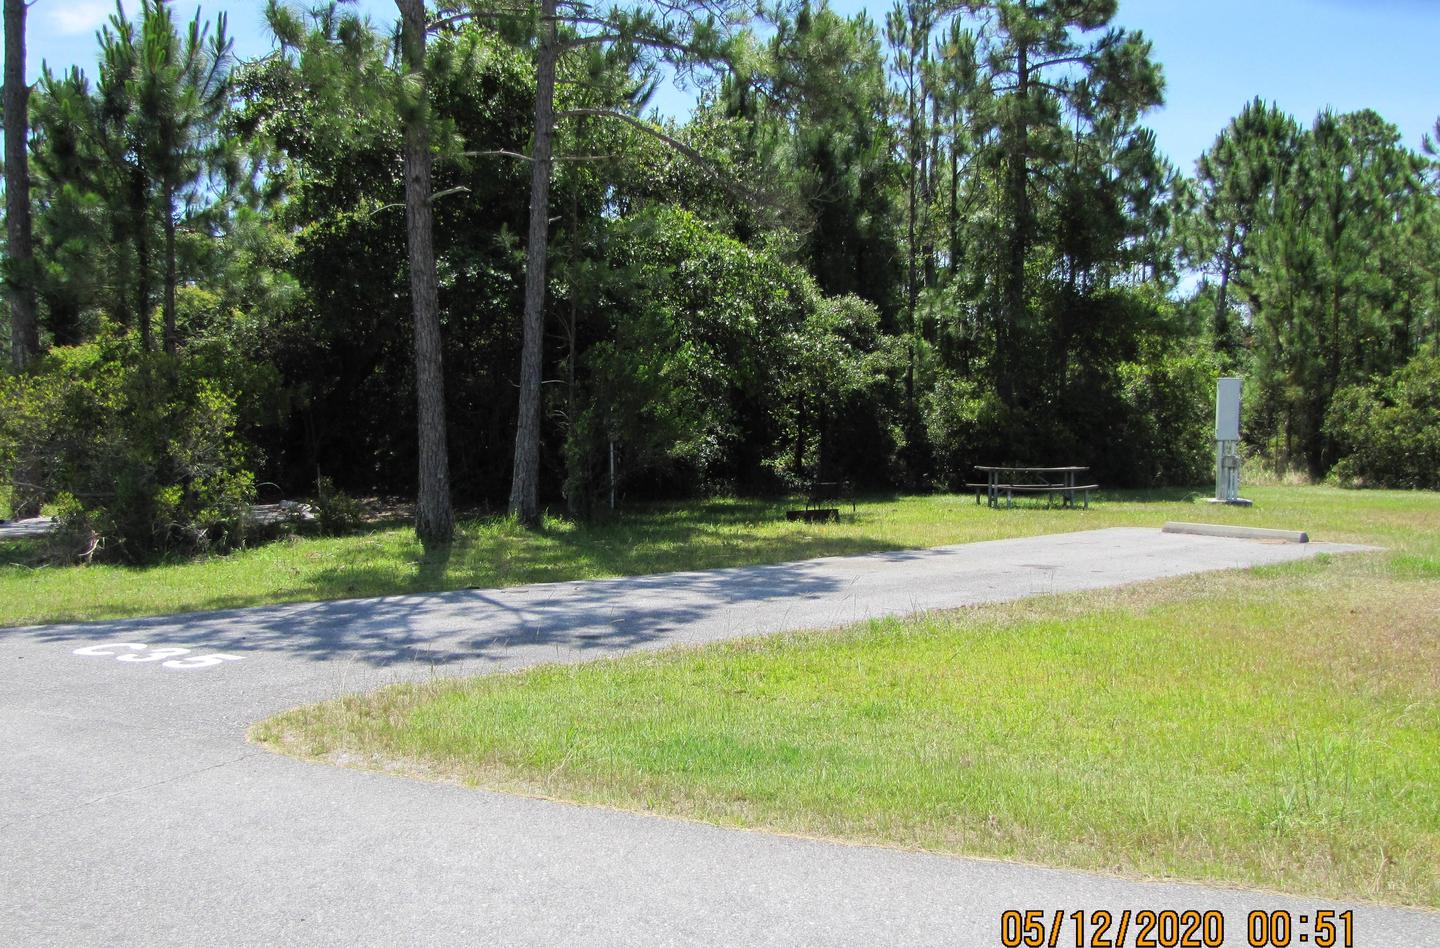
pixel 167 655
pixel 202 661
pixel 154 655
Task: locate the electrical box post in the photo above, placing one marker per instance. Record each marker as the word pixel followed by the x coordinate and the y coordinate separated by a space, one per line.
pixel 1227 442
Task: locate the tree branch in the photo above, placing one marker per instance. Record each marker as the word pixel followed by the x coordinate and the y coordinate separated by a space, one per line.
pixel 640 125
pixel 650 42
pixel 450 19
pixel 433 198
pixel 1081 58
pixel 506 153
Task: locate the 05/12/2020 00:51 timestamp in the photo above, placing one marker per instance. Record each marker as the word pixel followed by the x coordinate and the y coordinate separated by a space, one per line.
pixel 1146 928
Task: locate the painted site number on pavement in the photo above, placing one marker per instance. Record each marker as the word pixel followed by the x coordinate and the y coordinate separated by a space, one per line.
pixel 169 656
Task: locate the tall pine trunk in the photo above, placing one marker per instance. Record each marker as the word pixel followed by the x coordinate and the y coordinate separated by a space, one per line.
pixel 954 191
pixel 434 519
pixel 932 189
pixel 1221 325
pixel 139 207
pixel 1019 186
pixel 171 339
pixel 20 281
pixel 525 478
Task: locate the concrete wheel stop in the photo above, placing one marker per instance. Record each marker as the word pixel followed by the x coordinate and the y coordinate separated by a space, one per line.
pixel 1239 533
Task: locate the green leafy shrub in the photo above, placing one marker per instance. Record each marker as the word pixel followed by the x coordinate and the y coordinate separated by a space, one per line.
pixel 336 512
pixel 1140 423
pixel 1387 433
pixel 1121 391
pixel 959 413
pixel 1169 418
pixel 686 386
pixel 140 450
pixel 838 397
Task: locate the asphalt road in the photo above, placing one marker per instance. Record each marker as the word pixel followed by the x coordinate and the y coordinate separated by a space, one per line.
pixel 133 812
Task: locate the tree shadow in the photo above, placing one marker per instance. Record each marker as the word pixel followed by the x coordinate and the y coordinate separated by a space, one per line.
pixel 433 565
pixel 27 552
pixel 485 626
pixel 713 540
pixel 656 538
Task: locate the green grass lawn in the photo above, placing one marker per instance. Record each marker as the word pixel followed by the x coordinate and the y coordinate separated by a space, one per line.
pixel 1277 726
pixel 491 553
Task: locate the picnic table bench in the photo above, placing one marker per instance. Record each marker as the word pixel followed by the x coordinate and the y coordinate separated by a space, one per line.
pixel 1053 482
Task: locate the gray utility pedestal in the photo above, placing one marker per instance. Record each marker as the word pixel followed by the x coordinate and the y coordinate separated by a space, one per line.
pixel 1227 442
pixel 1227 474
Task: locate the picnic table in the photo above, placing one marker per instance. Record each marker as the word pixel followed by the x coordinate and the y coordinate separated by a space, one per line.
pixel 1051 481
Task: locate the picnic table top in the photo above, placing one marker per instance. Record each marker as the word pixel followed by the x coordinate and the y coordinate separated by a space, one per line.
pixel 987 467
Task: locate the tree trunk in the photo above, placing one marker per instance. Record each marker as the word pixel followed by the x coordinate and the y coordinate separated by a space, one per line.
pixel 20 280
pixel 525 479
pixel 171 340
pixel 912 288
pixel 1019 186
pixel 932 187
pixel 434 520
pixel 138 209
pixel 954 192
pixel 578 498
pixel 1222 303
pixel 798 468
pixel 120 278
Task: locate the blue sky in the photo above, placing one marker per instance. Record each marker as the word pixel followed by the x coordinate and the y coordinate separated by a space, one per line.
pixel 1217 54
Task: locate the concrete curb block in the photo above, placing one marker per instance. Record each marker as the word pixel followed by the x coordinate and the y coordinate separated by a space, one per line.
pixel 1239 533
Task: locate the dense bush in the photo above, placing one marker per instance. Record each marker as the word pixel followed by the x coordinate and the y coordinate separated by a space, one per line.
pixel 1387 433
pixel 1127 399
pixel 724 368
pixel 685 383
pixel 840 401
pixel 960 414
pixel 1169 418
pixel 336 512
pixel 137 450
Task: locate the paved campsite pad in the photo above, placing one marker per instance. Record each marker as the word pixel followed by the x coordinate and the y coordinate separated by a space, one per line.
pixel 133 811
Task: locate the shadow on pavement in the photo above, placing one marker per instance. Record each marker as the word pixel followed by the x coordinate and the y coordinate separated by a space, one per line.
pixel 471 625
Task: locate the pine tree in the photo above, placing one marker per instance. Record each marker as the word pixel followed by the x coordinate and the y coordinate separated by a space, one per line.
pixel 1047 80
pixel 820 101
pixel 1238 181
pixel 180 92
pixel 339 59
pixel 19 252
pixel 1325 291
pixel 434 519
pixel 71 220
pixel 684 38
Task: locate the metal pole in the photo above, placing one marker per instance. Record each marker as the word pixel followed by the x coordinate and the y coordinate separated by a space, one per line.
pixel 1220 471
pixel 612 475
